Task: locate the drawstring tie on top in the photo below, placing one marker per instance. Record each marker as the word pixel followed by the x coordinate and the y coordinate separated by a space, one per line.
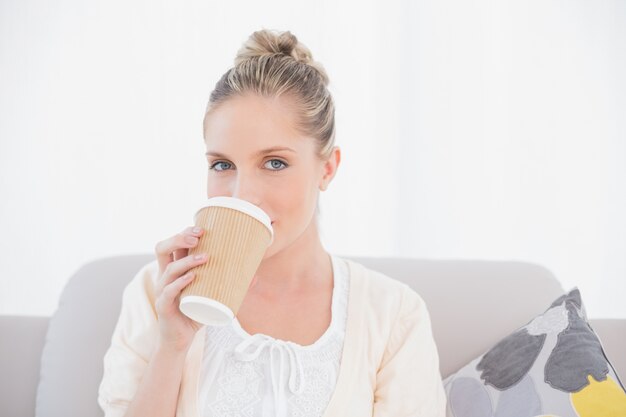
pixel 277 350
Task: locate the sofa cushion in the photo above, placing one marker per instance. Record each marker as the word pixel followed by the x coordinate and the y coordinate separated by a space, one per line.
pixel 79 334
pixel 554 365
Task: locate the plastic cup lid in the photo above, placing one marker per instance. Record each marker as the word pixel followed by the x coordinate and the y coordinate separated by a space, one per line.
pixel 206 310
pixel 241 205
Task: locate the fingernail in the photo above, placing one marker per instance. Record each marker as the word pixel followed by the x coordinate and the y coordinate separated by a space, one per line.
pixel 196 230
pixel 200 256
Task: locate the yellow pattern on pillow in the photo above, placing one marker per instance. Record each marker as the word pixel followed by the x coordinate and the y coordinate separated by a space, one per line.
pixel 604 398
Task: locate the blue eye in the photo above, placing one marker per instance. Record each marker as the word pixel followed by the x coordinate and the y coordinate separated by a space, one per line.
pixel 216 163
pixel 279 161
pixel 276 167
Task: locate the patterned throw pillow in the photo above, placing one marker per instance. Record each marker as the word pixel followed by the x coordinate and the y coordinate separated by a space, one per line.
pixel 552 366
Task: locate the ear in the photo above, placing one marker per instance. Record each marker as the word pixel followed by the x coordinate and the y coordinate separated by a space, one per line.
pixel 330 168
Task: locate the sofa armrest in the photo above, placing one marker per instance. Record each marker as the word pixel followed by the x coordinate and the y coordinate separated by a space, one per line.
pixel 21 345
pixel 612 335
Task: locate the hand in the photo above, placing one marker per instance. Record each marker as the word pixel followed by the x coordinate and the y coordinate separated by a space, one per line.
pixel 176 329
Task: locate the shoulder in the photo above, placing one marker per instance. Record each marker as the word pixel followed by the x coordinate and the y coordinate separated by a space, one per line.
pixel 378 284
pixel 137 323
pixel 140 290
pixel 383 293
pixel 147 274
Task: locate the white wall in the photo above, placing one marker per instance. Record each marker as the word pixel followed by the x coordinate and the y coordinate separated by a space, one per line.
pixel 479 130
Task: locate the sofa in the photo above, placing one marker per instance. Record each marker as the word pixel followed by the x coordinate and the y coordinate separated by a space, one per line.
pixel 52 366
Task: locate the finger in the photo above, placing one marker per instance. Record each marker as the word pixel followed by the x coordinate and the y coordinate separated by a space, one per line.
pixel 180 267
pixel 165 249
pixel 173 289
pixel 180 253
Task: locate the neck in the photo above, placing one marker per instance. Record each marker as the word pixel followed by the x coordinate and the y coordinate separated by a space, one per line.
pixel 302 263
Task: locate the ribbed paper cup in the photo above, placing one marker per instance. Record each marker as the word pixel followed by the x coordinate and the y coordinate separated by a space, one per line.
pixel 236 236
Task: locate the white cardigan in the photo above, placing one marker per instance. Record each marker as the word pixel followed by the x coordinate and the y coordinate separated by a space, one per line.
pixel 389 365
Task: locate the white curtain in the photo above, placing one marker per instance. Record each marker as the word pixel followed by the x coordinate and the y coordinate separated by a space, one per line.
pixel 479 130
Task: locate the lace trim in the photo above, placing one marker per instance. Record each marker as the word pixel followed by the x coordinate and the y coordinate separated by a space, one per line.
pixel 314 366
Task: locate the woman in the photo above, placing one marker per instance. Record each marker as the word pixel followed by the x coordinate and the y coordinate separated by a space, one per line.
pixel 317 334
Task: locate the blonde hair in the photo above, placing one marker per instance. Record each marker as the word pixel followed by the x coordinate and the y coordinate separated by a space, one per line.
pixel 274 64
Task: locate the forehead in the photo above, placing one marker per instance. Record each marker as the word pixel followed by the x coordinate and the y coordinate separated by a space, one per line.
pixel 252 121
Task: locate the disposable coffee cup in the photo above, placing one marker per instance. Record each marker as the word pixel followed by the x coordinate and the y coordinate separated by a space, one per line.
pixel 236 235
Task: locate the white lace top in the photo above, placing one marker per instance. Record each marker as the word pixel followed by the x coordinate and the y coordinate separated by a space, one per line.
pixel 247 375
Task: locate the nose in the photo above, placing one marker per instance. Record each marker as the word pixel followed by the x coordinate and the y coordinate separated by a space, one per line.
pixel 246 187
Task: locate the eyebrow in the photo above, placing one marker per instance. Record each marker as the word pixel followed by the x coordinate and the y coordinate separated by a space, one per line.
pixel 261 152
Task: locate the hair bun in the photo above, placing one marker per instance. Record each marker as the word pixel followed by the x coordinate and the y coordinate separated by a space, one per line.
pixel 266 42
